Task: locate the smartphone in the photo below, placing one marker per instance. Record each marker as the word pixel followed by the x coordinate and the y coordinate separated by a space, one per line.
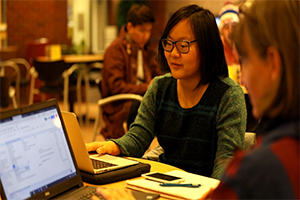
pixel 163 178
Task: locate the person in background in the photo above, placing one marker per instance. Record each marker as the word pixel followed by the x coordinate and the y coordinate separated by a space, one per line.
pixel 196 111
pixel 267 40
pixel 122 11
pixel 128 67
pixel 229 16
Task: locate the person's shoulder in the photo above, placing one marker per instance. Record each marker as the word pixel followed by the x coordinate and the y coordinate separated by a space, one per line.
pixel 228 81
pixel 164 78
pixel 115 51
pixel 233 86
pixel 258 163
pixel 119 42
pixel 255 163
pixel 246 170
pixel 162 81
pixel 263 158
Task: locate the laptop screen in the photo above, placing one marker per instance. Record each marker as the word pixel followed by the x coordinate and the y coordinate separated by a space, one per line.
pixel 34 153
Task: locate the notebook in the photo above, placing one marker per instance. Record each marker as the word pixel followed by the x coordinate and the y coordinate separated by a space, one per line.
pixel 36 159
pixel 173 192
pixel 85 161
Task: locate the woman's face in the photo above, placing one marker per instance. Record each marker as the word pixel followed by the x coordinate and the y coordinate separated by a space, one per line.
pixel 256 77
pixel 183 66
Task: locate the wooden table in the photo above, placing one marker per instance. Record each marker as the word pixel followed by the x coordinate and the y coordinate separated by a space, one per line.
pixel 75 58
pixel 85 60
pixel 155 167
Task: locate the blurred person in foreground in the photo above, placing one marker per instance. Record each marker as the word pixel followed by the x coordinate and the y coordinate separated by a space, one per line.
pixel 128 67
pixel 197 113
pixel 267 40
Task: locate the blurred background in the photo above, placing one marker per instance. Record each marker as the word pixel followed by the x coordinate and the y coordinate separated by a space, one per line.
pixel 81 26
pixel 52 28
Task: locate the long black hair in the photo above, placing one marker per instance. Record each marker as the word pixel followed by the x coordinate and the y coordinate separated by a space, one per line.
pixel 205 30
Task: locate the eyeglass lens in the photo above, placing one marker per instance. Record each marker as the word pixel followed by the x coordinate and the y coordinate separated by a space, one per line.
pixel 182 46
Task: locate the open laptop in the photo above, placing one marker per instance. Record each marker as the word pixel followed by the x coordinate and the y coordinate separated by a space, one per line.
pixel 36 159
pixel 93 163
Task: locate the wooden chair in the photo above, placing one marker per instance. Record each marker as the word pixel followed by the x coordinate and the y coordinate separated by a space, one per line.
pixel 50 73
pixel 106 100
pixel 9 71
pixel 55 80
pixel 24 67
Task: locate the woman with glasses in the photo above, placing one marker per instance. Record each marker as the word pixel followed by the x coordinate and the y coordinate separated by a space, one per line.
pixel 196 112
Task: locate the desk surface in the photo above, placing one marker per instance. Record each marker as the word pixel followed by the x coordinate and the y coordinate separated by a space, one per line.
pixel 155 166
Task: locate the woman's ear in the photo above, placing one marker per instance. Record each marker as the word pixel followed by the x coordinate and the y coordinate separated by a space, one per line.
pixel 275 62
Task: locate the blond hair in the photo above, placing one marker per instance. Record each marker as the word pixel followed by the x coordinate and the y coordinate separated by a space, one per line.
pixel 275 23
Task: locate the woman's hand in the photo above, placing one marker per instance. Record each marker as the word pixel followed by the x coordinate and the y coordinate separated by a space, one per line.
pixel 104 148
pixel 114 194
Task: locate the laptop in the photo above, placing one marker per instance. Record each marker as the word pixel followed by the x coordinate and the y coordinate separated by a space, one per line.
pixel 92 163
pixel 36 159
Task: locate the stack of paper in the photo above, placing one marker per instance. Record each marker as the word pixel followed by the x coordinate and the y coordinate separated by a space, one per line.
pixel 177 192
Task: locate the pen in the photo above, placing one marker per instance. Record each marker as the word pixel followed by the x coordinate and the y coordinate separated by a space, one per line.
pixel 195 185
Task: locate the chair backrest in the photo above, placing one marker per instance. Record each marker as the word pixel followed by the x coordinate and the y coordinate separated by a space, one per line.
pixel 50 72
pixel 24 66
pixel 5 83
pixel 11 69
pixel 110 99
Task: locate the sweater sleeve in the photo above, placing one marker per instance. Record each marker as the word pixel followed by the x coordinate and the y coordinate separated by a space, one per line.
pixel 231 127
pixel 141 132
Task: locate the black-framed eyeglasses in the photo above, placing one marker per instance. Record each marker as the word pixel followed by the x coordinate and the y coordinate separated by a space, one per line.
pixel 182 46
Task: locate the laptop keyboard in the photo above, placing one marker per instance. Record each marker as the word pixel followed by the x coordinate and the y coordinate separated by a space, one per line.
pixel 98 164
pixel 88 195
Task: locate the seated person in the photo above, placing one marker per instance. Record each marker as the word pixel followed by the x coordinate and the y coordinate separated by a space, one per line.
pixel 196 111
pixel 128 67
pixel 271 170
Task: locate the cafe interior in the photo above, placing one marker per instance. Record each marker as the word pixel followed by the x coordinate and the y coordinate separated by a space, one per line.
pixel 70 36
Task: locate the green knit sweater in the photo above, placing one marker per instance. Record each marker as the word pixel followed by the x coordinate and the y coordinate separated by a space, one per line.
pixel 198 139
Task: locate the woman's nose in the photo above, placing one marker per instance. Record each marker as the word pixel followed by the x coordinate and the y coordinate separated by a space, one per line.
pixel 175 52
